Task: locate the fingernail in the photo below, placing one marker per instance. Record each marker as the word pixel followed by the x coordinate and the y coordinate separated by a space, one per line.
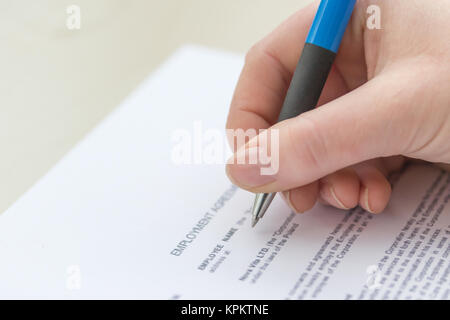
pixel 287 197
pixel 244 172
pixel 366 200
pixel 329 195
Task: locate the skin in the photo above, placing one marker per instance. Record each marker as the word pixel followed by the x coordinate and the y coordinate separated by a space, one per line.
pixel 386 101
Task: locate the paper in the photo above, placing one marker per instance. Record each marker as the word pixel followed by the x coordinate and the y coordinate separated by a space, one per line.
pixel 116 218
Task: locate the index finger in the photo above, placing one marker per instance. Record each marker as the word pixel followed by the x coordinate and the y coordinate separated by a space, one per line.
pixel 267 73
pixel 270 64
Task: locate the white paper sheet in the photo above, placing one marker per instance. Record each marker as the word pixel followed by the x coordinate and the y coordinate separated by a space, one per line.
pixel 116 218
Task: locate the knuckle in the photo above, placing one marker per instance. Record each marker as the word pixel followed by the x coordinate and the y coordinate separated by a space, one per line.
pixel 255 51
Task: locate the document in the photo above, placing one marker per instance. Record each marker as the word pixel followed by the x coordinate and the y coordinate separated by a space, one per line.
pixel 131 212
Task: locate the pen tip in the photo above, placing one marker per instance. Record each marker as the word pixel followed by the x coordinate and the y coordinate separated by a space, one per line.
pixel 262 202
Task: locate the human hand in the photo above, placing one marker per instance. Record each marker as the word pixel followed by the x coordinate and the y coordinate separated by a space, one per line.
pixel 387 99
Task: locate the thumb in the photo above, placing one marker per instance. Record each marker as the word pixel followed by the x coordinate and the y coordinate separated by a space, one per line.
pixel 372 121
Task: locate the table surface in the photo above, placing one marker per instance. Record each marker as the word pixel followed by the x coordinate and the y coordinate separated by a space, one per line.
pixel 57 84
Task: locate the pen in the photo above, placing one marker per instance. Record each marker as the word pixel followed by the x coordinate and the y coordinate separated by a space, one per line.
pixel 311 73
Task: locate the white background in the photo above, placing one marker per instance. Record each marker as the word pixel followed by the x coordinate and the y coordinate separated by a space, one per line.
pixel 56 84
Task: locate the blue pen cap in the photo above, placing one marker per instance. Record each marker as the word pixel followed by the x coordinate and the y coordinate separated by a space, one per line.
pixel 330 23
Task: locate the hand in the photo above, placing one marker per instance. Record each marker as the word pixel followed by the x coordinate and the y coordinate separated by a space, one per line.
pixel 387 98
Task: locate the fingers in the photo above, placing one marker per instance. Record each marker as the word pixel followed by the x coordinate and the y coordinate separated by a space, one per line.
pixel 267 72
pixel 341 189
pixel 302 199
pixel 364 184
pixel 270 64
pixel 375 190
pixel 354 128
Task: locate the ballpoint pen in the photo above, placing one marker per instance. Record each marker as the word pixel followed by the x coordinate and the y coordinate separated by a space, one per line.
pixel 311 73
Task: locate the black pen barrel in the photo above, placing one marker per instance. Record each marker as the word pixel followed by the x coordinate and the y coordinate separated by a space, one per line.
pixel 308 81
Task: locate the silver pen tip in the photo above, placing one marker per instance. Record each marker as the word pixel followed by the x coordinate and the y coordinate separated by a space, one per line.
pixel 260 206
